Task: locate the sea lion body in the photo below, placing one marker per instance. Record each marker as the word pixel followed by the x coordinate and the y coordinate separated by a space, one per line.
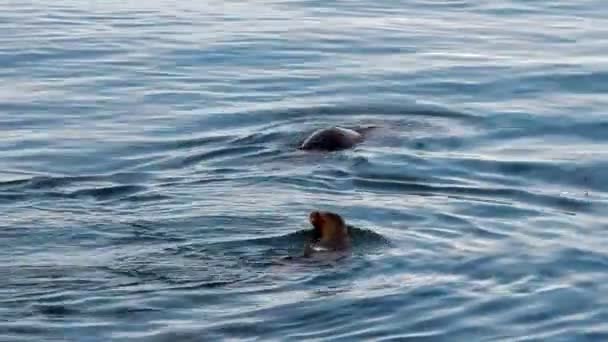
pixel 333 139
pixel 330 234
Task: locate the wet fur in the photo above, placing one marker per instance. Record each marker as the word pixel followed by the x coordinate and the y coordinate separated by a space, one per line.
pixel 330 234
pixel 334 138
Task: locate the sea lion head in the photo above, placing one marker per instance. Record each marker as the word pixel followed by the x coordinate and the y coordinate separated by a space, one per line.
pixel 330 231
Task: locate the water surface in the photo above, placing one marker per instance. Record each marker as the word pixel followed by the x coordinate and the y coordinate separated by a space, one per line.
pixel 150 184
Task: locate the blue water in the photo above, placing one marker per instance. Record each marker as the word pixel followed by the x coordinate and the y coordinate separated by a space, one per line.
pixel 150 185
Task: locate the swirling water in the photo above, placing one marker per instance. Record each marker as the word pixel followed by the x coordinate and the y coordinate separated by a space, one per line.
pixel 149 180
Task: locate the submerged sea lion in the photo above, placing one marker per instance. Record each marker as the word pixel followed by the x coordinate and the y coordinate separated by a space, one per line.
pixel 334 138
pixel 330 233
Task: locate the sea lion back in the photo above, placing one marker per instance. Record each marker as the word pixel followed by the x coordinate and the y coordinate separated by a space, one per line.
pixel 331 139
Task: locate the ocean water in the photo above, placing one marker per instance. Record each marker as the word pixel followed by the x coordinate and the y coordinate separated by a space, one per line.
pixel 151 188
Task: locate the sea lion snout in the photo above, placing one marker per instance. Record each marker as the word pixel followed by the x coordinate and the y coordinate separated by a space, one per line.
pixel 315 218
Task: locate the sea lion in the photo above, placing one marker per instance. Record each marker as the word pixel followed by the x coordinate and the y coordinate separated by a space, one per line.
pixel 334 138
pixel 330 233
